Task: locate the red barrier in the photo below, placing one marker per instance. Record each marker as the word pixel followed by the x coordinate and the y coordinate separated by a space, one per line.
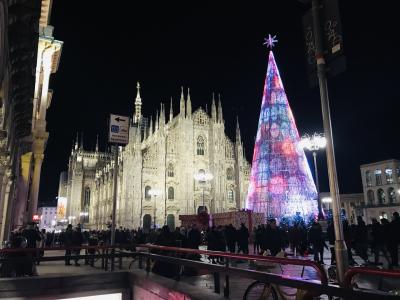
pixel 368 271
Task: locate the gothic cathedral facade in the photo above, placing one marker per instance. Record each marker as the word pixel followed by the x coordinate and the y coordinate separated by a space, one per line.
pixel 177 167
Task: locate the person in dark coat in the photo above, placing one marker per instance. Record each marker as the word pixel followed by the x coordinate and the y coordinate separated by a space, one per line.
pixel 243 239
pixel 379 239
pixel 330 232
pixel 165 238
pixel 77 239
pixel 273 238
pixel 394 239
pixel 349 239
pixel 230 236
pixel 32 235
pixel 67 241
pixel 315 238
pixel 361 239
pixel 194 238
pixel 212 242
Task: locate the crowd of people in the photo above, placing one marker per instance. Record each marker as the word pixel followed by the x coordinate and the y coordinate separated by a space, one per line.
pixel 373 240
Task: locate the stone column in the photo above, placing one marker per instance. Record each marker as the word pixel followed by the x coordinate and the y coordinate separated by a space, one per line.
pixel 5 195
pixel 22 189
pixel 38 149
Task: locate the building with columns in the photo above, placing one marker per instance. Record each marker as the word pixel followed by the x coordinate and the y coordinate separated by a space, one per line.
pixel 156 174
pixel 28 55
pixel 381 187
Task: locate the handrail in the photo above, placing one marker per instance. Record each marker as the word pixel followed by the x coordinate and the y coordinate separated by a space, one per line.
pixel 280 260
pixel 368 271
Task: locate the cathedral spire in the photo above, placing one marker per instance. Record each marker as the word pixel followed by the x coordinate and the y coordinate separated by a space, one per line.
pixel 213 109
pixel 182 104
pixel 97 143
pixel 188 105
pixel 238 139
pixel 157 122
pixel 81 146
pixel 162 115
pixel 77 141
pixel 220 117
pixel 171 112
pixel 151 126
pixel 138 105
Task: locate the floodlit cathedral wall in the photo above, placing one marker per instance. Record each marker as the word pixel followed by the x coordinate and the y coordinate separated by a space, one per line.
pixel 162 157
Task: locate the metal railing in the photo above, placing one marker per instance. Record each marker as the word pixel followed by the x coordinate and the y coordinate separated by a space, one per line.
pixel 144 254
pixel 352 272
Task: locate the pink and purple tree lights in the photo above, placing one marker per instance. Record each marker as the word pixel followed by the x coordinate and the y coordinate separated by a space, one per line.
pixel 281 184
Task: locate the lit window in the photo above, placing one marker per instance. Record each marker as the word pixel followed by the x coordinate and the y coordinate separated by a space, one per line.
pixel 392 195
pixel 389 175
pixel 230 196
pixel 381 196
pixel 378 177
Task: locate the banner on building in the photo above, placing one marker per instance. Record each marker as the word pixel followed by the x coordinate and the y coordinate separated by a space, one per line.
pixel 61 208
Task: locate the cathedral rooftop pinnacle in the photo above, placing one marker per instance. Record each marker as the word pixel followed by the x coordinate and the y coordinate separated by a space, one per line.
pixel 213 109
pixel 188 105
pixel 171 111
pixel 138 99
pixel 138 104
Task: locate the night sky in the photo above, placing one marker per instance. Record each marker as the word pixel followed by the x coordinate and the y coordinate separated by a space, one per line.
pixel 217 47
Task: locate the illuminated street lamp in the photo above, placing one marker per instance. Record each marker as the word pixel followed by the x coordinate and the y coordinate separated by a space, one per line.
pixel 202 177
pixel 155 193
pixel 314 143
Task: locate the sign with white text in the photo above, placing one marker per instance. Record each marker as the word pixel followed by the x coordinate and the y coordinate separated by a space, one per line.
pixel 119 130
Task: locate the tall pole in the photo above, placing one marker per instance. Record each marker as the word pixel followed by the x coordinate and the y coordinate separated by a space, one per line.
pixel 155 210
pixel 320 213
pixel 114 208
pixel 204 209
pixel 340 245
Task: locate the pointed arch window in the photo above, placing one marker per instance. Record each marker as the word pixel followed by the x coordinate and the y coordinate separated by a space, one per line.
pixel 147 195
pixel 170 170
pixel 171 193
pixel 229 173
pixel 86 199
pixel 200 145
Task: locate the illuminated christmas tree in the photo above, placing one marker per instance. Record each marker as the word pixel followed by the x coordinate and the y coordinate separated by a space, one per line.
pixel 281 183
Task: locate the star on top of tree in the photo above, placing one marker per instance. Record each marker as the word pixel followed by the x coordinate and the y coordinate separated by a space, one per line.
pixel 270 41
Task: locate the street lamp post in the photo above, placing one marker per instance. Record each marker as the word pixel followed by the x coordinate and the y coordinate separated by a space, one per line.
pixel 155 193
pixel 314 143
pixel 203 177
pixel 340 245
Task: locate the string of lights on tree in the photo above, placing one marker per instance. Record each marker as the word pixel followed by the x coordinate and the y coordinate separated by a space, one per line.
pixel 281 184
